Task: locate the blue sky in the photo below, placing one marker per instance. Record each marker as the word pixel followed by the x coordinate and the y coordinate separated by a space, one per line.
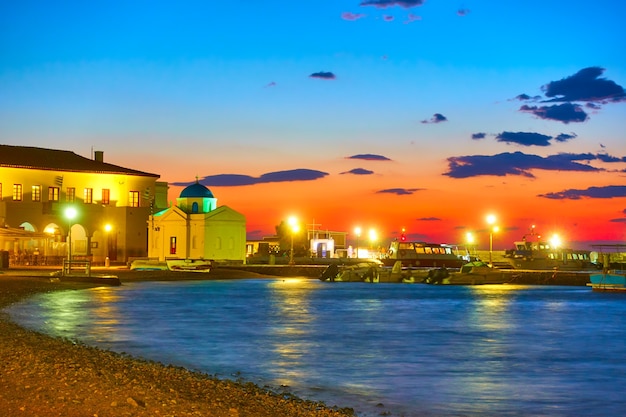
pixel 279 97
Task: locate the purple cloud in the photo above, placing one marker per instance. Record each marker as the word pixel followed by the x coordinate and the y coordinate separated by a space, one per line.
pixel 618 220
pixel 478 136
pixel 383 4
pixel 359 171
pixel 234 180
pixel 270 84
pixel 429 219
pixel 585 86
pixel 387 18
pixel 399 191
pixel 609 191
pixel 463 12
pixel 437 118
pixel 323 75
pixel 369 157
pixel 352 16
pixel 531 138
pixel 412 18
pixel 516 163
pixel 565 113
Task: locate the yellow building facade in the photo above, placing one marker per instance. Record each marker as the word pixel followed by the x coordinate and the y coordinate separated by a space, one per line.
pixel 40 188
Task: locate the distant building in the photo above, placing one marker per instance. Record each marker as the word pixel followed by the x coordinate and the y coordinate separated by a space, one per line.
pixel 196 228
pixel 112 205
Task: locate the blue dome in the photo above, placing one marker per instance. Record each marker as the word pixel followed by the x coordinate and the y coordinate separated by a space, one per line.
pixel 196 190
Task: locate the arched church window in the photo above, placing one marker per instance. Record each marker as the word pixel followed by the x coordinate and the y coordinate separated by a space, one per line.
pixel 194 207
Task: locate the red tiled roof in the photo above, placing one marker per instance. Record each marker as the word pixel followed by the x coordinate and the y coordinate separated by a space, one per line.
pixel 57 160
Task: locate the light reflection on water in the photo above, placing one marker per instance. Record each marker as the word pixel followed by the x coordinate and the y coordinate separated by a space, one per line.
pixel 494 350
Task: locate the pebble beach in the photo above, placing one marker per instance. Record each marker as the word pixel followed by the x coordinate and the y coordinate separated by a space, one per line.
pixel 46 376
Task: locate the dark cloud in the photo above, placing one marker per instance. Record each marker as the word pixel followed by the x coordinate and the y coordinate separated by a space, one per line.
pixel 233 180
pixel 478 136
pixel 585 86
pixel 618 220
pixel 383 4
pixel 609 191
pixel 359 171
pixel 516 163
pixel 352 16
pixel 437 118
pixel 532 138
pixel 369 157
pixel 463 12
pixel 429 219
pixel 524 138
pixel 323 75
pixel 387 18
pixel 270 84
pixel 399 191
pixel 566 112
pixel 526 97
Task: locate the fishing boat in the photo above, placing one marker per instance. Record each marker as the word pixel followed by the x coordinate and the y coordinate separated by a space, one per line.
pixel 190 265
pixel 610 279
pixel 423 255
pixel 472 273
pixel 536 254
pixel 366 271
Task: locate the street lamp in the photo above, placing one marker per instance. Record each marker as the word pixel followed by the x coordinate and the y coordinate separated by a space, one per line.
pixel 70 214
pixel 491 219
pixel 373 237
pixel 357 233
pixel 293 224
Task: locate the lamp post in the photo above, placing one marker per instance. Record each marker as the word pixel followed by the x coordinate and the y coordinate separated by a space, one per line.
pixel 357 233
pixel 469 239
pixel 491 219
pixel 70 214
pixel 373 237
pixel 293 224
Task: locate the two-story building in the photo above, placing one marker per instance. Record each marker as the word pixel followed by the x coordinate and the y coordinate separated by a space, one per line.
pixel 55 204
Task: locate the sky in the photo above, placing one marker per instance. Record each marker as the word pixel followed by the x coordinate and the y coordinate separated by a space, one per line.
pixel 423 115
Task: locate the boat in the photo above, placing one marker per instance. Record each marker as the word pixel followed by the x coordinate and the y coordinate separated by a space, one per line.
pixel 535 254
pixel 611 279
pixel 472 273
pixel 423 255
pixel 148 265
pixel 365 271
pixel 190 265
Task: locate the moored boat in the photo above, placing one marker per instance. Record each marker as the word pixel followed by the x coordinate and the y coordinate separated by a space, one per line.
pixel 191 265
pixel 608 281
pixel 423 255
pixel 472 273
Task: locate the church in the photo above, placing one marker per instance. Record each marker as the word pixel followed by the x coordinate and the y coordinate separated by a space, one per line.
pixel 196 228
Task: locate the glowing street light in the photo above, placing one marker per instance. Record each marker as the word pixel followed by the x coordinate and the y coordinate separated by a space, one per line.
pixel 373 237
pixel 555 241
pixel 70 214
pixel 357 233
pixel 293 224
pixel 491 219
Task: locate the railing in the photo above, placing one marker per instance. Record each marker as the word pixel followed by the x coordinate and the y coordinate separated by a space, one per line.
pixel 76 264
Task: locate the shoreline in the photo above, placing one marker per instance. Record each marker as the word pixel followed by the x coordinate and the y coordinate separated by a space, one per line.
pixel 41 375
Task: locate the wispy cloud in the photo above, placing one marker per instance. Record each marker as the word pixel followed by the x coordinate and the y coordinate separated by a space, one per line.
pixel 383 4
pixel 359 171
pixel 517 163
pixel 479 136
pixel 352 16
pixel 323 75
pixel 609 191
pixel 463 12
pixel 412 18
pixel 233 180
pixel 369 157
pixel 399 191
pixel 429 219
pixel 437 118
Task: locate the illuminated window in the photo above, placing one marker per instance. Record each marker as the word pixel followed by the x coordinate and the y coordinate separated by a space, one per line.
pixel 88 197
pixel 70 195
pixel 53 193
pixel 36 192
pixel 106 196
pixel 173 245
pixel 17 192
pixel 133 198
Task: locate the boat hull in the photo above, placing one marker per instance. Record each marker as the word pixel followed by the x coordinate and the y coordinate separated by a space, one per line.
pixel 189 265
pixel 608 282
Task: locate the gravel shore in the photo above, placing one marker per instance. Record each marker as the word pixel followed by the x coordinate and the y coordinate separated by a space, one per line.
pixel 46 376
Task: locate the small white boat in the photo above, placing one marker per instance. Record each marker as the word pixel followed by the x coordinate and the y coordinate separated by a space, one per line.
pixel 191 265
pixel 148 265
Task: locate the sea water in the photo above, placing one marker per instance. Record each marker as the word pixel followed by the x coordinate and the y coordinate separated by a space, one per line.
pixel 382 349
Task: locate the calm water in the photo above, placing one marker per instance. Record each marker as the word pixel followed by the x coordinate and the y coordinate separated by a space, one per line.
pixel 405 350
